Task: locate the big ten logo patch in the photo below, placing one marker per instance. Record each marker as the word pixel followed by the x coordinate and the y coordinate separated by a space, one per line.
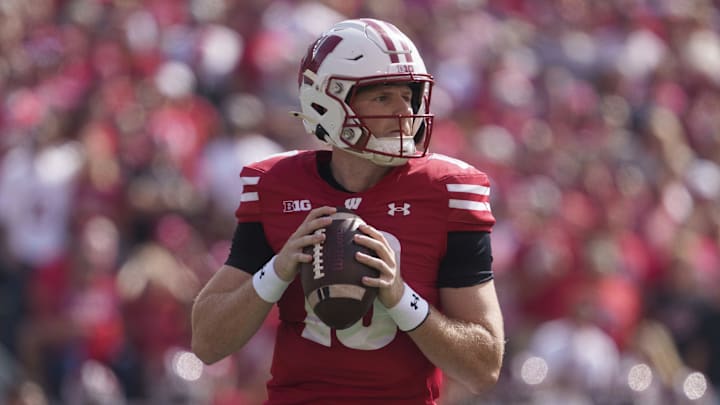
pixel 296 205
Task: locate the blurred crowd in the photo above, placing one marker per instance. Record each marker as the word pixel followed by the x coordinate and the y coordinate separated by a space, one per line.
pixel 124 125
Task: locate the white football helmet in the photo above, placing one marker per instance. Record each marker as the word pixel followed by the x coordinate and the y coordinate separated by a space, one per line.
pixel 356 53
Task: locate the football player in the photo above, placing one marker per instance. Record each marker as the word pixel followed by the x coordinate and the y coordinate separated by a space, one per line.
pixel 365 91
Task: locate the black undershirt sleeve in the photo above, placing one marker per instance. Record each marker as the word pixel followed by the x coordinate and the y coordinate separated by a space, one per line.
pixel 468 260
pixel 249 250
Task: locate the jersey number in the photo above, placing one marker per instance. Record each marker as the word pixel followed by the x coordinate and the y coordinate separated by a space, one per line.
pixel 379 333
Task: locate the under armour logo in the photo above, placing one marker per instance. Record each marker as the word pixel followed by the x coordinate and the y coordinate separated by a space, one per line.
pixel 405 209
pixel 414 302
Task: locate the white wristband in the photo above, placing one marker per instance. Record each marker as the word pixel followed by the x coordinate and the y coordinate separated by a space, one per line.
pixel 411 311
pixel 267 284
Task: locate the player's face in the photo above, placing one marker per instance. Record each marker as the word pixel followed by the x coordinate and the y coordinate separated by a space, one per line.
pixel 386 100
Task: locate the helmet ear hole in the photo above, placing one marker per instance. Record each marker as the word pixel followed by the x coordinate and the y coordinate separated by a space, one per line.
pixel 321 133
pixel 320 109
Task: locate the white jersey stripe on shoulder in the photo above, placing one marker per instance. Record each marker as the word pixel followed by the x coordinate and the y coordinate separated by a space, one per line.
pixel 456 162
pixel 468 188
pixel 249 181
pixel 469 205
pixel 281 154
pixel 246 197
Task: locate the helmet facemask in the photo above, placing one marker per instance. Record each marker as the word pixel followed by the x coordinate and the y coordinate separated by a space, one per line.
pixel 411 140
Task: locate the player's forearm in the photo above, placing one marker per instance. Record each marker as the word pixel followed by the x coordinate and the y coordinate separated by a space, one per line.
pixel 468 352
pixel 223 322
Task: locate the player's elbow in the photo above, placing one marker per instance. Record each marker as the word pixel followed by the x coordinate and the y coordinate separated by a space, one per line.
pixel 203 351
pixel 203 345
pixel 200 345
pixel 202 341
pixel 487 372
pixel 483 382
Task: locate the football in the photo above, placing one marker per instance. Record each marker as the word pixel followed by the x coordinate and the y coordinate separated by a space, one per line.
pixel 332 282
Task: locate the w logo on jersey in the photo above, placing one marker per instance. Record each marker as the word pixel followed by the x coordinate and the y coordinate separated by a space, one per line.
pixel 353 203
pixel 394 209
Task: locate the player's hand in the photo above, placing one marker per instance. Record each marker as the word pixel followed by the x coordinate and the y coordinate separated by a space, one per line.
pixel 291 254
pixel 389 281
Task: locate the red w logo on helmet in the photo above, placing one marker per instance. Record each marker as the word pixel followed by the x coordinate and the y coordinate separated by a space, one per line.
pixel 316 54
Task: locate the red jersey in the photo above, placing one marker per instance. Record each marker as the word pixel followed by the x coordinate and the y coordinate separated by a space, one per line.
pixel 415 206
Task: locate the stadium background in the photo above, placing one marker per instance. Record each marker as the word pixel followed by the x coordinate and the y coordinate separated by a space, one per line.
pixel 124 124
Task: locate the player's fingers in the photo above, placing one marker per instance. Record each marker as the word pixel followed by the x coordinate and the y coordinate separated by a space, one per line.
pixel 292 253
pixel 323 211
pixel 376 237
pixel 307 240
pixel 373 233
pixel 372 261
pixel 387 274
pixel 303 257
pixel 316 219
pixel 375 282
pixel 318 223
pixel 379 247
pixel 289 257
